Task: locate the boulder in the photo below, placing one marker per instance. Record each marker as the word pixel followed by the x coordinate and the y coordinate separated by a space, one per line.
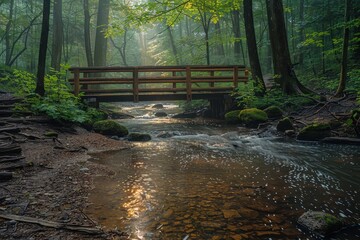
pixel 284 125
pixel 274 112
pixel 232 116
pixel 320 222
pixel 160 114
pixel 139 137
pixel 110 127
pixel 158 106
pixel 314 132
pixel 252 117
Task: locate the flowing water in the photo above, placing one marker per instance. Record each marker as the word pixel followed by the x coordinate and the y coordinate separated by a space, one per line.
pixel 206 180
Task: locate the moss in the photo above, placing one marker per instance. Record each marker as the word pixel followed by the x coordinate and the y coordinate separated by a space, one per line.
pixel 139 137
pixel 274 112
pixel 251 117
pixel 110 127
pixel 315 132
pixel 284 125
pixel 51 134
pixel 232 116
pixel 332 223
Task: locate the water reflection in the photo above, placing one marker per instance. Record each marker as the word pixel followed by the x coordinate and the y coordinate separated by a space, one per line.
pixel 201 185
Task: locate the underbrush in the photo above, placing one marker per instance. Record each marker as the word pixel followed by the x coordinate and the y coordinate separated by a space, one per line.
pixel 58 103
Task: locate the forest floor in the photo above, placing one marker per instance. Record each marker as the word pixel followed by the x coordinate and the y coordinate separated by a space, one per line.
pixel 52 189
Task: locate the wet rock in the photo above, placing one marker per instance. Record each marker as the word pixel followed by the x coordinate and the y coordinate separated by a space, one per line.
pixel 239 237
pixel 276 218
pixel 158 106
pixel 274 112
pixel 252 117
pixel 230 213
pixel 267 234
pixel 258 206
pixel 342 140
pixel 315 132
pixel 232 116
pixel 110 127
pixel 118 115
pixel 139 137
pixel 284 125
pixel 216 225
pixel 248 213
pixel 320 222
pixel 290 133
pixel 186 115
pixel 168 213
pixel 160 114
pixel 84 169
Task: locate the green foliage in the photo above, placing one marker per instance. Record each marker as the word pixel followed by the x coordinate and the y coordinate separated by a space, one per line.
pixel 247 97
pixel 110 127
pixel 251 117
pixel 58 103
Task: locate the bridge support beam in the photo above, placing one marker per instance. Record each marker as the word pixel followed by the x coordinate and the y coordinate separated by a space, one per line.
pixel 219 106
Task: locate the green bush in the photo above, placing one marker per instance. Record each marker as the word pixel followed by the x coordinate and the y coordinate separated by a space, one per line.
pixel 58 103
pixel 251 117
pixel 110 127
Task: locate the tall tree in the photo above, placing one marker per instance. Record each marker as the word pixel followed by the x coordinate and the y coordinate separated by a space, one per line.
pixel 40 88
pixel 58 35
pixel 8 34
pixel 283 68
pixel 252 47
pixel 345 46
pixel 100 39
pixel 87 36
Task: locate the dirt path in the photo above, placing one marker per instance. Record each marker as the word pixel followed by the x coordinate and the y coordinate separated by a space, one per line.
pixel 55 185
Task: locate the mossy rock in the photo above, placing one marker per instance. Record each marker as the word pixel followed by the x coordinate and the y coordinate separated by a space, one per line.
pixel 160 114
pixel 252 117
pixel 315 132
pixel 51 134
pixel 110 127
pixel 320 222
pixel 139 137
pixel 284 125
pixel 232 116
pixel 274 112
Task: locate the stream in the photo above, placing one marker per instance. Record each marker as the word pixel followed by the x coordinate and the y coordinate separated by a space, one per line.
pixel 203 179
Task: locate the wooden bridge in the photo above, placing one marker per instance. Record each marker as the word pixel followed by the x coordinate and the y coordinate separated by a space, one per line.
pixel 120 84
pixel 159 83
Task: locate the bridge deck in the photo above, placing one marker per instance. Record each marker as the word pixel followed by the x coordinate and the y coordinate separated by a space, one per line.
pixel 116 84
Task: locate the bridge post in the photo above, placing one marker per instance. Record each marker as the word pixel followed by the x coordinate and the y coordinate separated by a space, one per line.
pixel 76 82
pixel 188 84
pixel 236 76
pixel 136 84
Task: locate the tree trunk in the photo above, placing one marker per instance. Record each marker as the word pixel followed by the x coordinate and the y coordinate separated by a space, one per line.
pixel 343 71
pixel 301 32
pixel 87 36
pixel 8 35
pixel 43 47
pixel 173 45
pixel 100 39
pixel 252 47
pixel 220 51
pixel 236 30
pixel 283 68
pixel 58 35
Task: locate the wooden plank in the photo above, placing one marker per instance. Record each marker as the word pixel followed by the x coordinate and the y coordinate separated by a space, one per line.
pixel 114 90
pixel 103 82
pixel 162 90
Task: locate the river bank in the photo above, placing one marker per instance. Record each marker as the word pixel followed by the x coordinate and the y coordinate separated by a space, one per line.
pixel 56 185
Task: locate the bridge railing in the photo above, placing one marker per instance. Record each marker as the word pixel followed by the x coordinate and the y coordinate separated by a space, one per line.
pixel 150 80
